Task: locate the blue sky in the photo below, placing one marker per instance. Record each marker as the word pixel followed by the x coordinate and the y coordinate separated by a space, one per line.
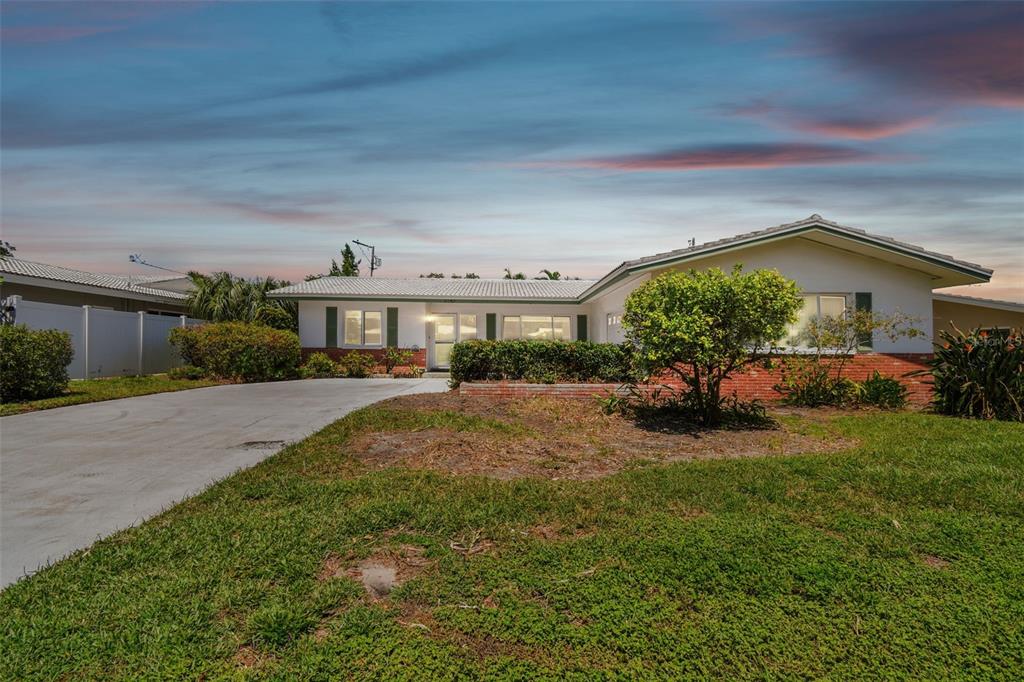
pixel 260 137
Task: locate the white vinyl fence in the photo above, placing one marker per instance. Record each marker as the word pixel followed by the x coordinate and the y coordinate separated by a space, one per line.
pixel 107 343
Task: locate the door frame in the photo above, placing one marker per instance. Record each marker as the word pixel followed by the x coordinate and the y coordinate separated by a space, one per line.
pixel 431 355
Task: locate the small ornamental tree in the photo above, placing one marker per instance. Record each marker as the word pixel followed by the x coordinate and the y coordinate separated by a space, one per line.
pixel 704 325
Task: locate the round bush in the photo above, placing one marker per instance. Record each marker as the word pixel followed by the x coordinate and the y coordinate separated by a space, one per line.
pixel 319 366
pixel 238 350
pixel 33 363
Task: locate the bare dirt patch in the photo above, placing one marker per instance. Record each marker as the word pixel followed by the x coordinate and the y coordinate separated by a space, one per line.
pixel 249 657
pixel 570 439
pixel 379 573
pixel 934 561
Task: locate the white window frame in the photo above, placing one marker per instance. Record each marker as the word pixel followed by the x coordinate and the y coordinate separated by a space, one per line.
pixel 519 317
pixel 817 313
pixel 362 328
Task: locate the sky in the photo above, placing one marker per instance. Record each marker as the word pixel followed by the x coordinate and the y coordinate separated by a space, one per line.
pixel 260 137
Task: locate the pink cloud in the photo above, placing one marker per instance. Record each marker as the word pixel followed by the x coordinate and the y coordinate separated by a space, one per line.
pixel 738 156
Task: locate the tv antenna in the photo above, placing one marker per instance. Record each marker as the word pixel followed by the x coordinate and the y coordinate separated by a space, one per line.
pixel 692 242
pixel 374 261
pixel 137 258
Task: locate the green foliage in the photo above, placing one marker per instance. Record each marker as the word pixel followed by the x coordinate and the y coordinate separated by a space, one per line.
pixel 703 325
pixel 349 264
pixel 273 626
pixel 666 408
pixel 320 366
pixel 357 365
pixel 510 275
pixel 393 357
pixel 979 374
pixel 882 391
pixel 540 361
pixel 186 372
pixel 33 363
pixel 241 351
pixel 817 378
pixel 223 297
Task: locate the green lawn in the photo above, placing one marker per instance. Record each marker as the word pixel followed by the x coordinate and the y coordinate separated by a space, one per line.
pixel 94 390
pixel 903 558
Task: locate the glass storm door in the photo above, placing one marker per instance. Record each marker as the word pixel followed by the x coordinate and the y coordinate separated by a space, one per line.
pixel 445 335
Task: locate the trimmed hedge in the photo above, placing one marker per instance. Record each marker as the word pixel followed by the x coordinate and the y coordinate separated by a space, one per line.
pixel 545 362
pixel 239 350
pixel 33 363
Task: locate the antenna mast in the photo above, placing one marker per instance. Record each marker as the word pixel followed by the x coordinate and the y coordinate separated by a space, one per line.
pixel 374 261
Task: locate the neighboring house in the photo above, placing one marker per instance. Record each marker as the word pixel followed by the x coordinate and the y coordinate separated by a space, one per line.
pixel 835 266
pixel 42 283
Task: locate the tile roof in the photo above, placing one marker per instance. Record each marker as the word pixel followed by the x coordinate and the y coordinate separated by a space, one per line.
pixel 958 298
pixel 121 283
pixel 428 288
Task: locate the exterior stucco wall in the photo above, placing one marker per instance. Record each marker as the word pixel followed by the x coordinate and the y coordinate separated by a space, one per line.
pixel 967 316
pixel 313 321
pixel 821 269
pixel 612 302
pixel 79 298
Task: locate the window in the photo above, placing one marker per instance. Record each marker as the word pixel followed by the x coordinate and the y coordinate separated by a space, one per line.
pixel 536 327
pixel 614 320
pixel 363 328
pixel 814 305
pixel 467 327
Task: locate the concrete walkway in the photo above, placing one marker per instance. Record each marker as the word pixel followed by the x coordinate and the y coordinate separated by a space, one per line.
pixel 74 474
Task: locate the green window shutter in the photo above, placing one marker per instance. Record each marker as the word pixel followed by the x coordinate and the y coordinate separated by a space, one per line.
pixel 863 302
pixel 581 327
pixel 393 327
pixel 332 327
pixel 492 326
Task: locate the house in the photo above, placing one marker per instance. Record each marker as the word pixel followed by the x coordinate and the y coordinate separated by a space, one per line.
pixel 836 267
pixel 42 283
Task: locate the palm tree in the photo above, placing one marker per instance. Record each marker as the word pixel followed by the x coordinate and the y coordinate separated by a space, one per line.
pixel 550 274
pixel 223 297
pixel 509 275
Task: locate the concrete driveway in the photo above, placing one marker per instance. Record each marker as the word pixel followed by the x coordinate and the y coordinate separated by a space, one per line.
pixel 74 474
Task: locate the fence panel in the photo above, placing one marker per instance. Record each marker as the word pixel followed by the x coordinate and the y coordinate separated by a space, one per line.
pixel 66 318
pixel 116 344
pixel 157 354
pixel 113 343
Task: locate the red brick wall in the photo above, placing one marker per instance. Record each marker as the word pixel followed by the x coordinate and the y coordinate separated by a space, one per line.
pixel 754 383
pixel 419 357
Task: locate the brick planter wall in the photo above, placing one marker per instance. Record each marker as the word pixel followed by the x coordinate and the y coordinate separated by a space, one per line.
pixel 754 383
pixel 419 357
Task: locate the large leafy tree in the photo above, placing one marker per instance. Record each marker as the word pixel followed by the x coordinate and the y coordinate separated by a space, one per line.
pixel 705 325
pixel 223 297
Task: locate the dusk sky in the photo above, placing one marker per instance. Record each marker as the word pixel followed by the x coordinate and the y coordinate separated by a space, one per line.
pixel 260 137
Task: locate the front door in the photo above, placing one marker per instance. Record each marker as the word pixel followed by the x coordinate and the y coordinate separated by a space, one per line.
pixel 445 336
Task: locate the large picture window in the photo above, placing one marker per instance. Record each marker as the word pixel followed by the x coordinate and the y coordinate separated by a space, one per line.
pixel 814 305
pixel 536 327
pixel 363 328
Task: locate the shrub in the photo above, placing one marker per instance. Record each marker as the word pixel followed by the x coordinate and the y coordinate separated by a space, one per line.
pixel 393 357
pixel 357 365
pixel 319 366
pixel 540 361
pixel 33 363
pixel 809 383
pixel 881 391
pixel 704 325
pixel 979 375
pixel 239 350
pixel 186 372
pixel 817 378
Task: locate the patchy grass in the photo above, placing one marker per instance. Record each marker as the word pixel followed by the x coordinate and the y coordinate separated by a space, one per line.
pixel 898 558
pixel 95 390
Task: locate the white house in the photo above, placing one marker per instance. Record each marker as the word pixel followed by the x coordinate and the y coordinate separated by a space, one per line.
pixel 835 266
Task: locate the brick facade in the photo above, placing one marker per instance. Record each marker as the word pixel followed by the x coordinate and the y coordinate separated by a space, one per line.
pixel 756 382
